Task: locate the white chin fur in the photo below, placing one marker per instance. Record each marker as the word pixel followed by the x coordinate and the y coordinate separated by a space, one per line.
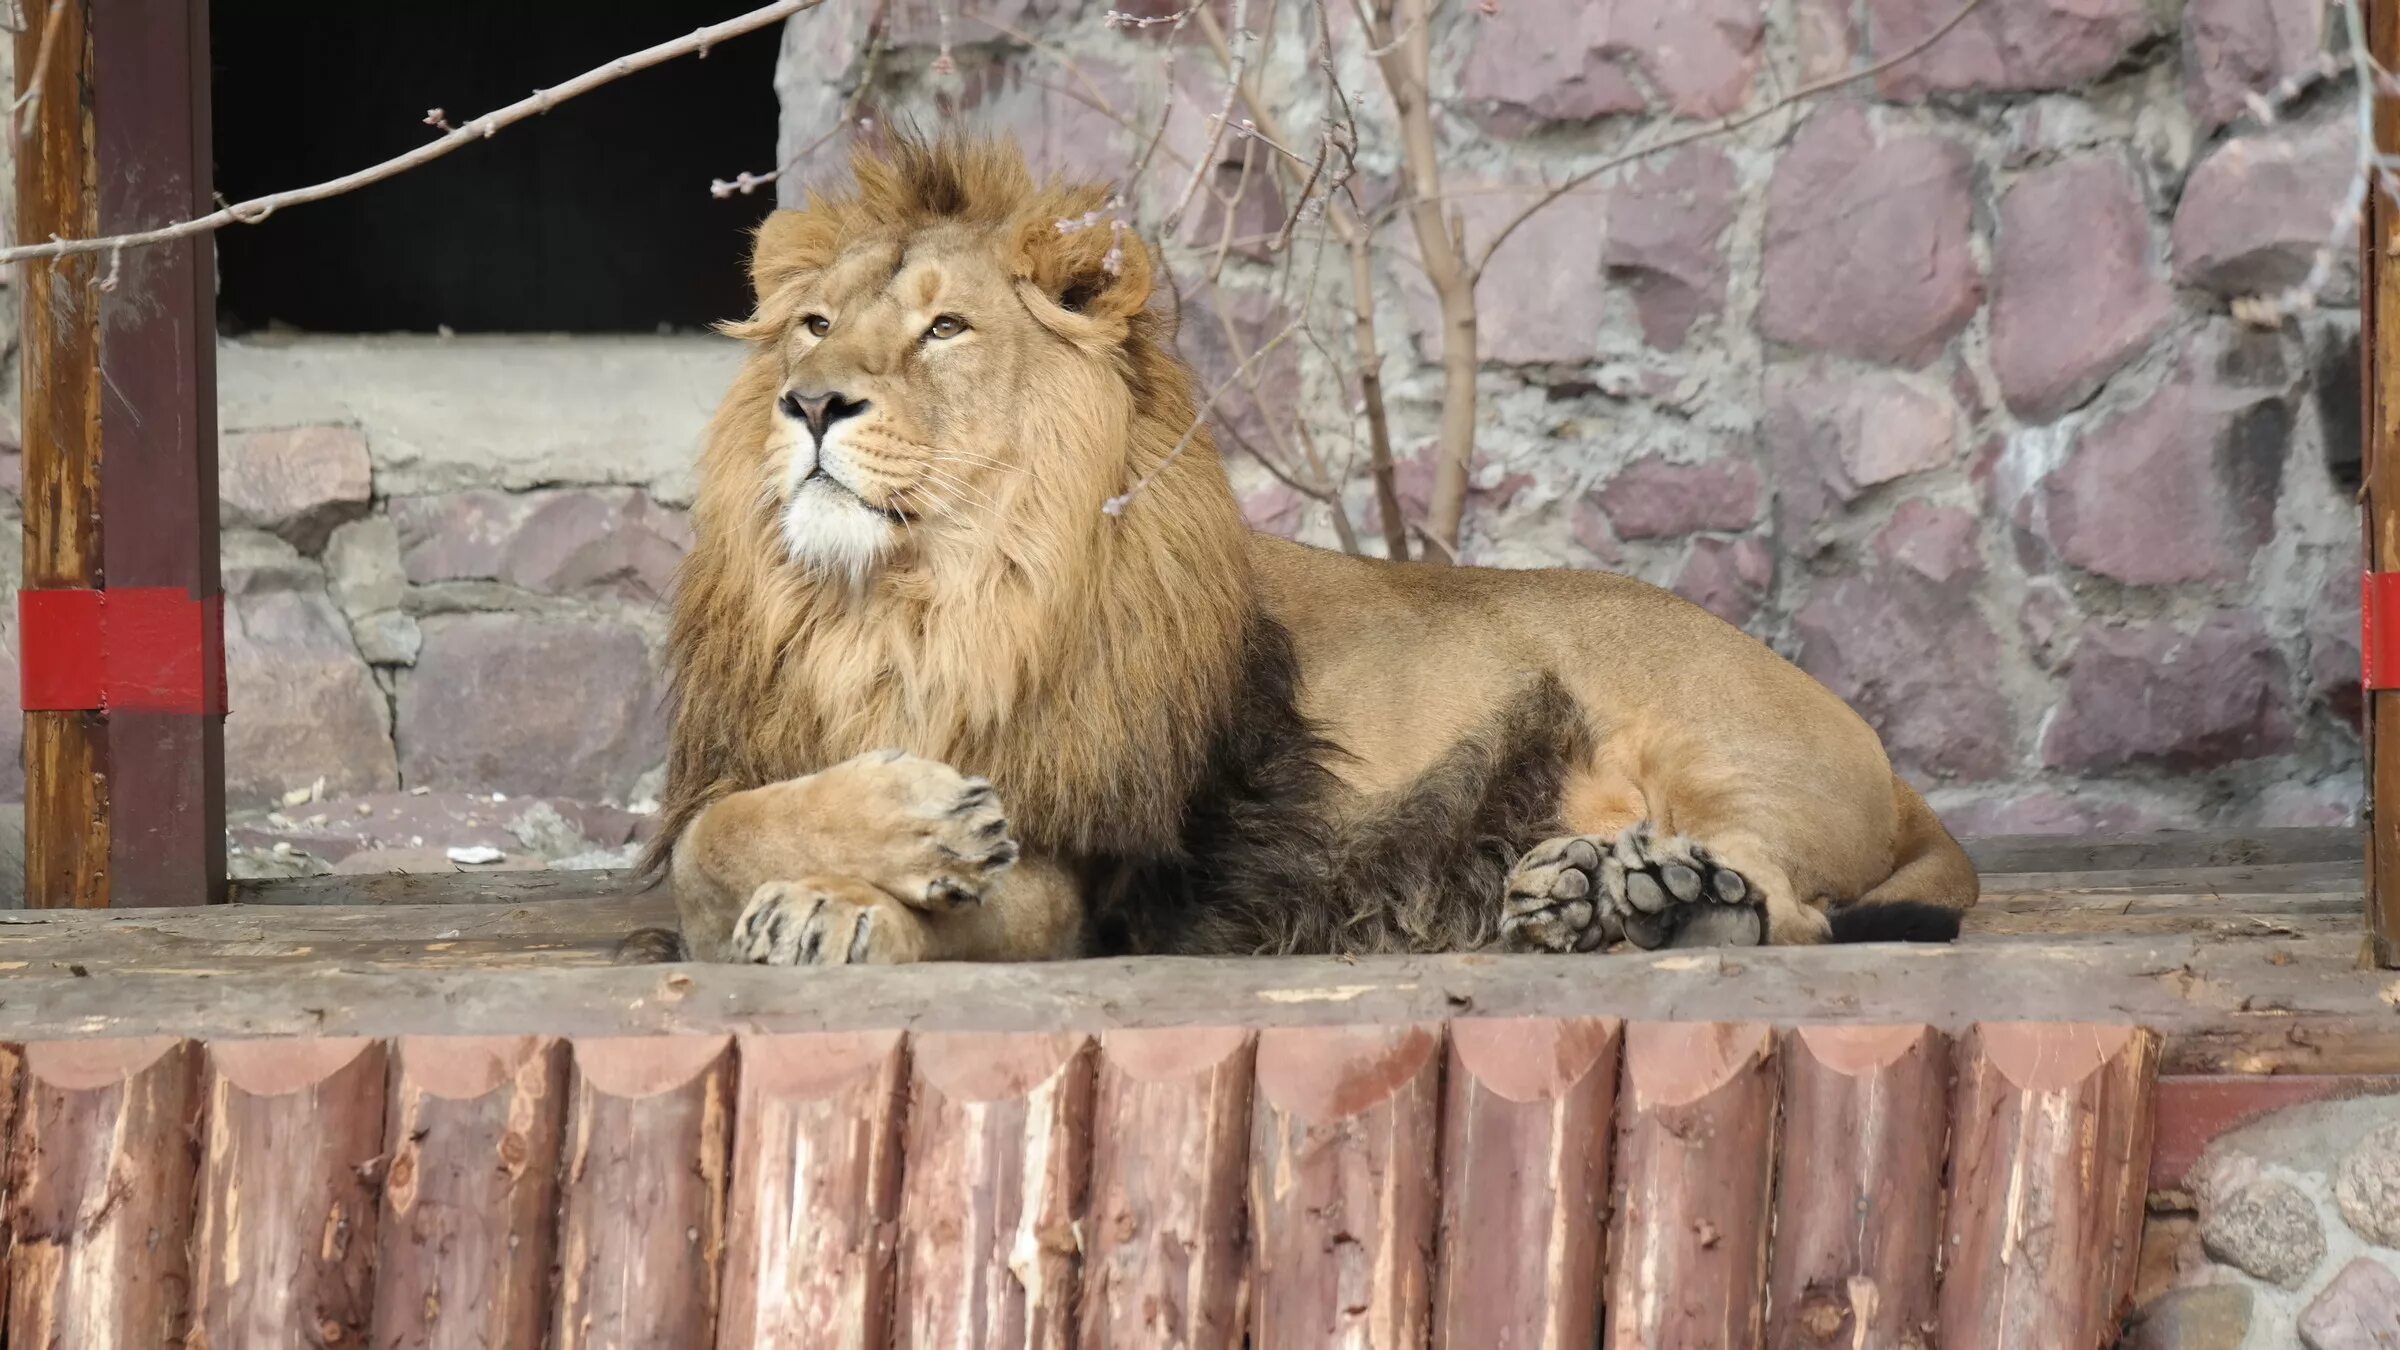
pixel 825 527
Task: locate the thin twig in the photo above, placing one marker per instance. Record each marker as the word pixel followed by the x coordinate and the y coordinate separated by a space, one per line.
pixel 30 102
pixel 1116 505
pixel 482 128
pixel 1243 41
pixel 1724 126
pixel 871 57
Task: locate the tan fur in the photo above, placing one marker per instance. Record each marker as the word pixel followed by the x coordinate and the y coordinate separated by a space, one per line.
pixel 1015 630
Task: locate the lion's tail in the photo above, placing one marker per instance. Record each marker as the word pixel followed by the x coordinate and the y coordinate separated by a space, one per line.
pixel 1926 897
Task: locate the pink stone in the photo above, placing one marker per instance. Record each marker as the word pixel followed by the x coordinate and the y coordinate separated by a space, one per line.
pixel 1652 498
pixel 2181 487
pixel 2232 48
pixel 305 706
pixel 2076 292
pixel 2359 1310
pixel 1556 255
pixel 1825 36
pixel 1274 509
pixel 1720 579
pixel 2158 694
pixel 1867 242
pixel 2050 618
pixel 1591 529
pixel 2005 45
pixel 1936 542
pixel 2257 210
pixel 1259 403
pixel 538 706
pixel 1538 61
pixel 299 482
pixel 1666 229
pixel 1830 436
pixel 553 542
pixel 2045 811
pixel 1916 660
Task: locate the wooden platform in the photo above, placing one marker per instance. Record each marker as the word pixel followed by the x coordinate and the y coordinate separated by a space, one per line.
pixel 438 1111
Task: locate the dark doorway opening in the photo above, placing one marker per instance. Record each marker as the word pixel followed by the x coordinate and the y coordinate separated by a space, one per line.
pixel 594 218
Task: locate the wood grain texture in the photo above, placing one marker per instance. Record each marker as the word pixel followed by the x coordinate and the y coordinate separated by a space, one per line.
pixel 1696 1168
pixel 283 1248
pixel 2379 346
pixel 158 426
pixel 469 1222
pixel 1342 1186
pixel 2328 1015
pixel 66 753
pixel 999 1147
pixel 1165 1253
pixel 1866 1121
pixel 813 1214
pixel 641 1214
pixel 12 1088
pixel 1527 1126
pixel 2049 1163
pixel 103 1166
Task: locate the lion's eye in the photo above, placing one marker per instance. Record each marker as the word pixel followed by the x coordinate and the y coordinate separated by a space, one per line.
pixel 946 326
pixel 818 325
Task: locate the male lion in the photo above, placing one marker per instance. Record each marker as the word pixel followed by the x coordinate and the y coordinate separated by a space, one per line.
pixel 911 601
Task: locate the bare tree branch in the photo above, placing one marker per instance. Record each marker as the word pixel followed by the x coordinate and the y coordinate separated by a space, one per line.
pixel 869 60
pixel 482 128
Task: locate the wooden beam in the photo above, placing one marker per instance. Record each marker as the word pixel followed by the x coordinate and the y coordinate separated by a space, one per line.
pixel 123 807
pixel 2253 1006
pixel 2379 345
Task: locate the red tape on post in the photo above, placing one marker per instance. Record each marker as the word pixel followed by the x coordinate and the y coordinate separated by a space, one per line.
pixel 136 648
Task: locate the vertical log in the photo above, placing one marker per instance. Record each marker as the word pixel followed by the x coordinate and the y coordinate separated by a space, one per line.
pixel 1526 1130
pixel 125 807
pixel 284 1246
pixel 2048 1174
pixel 641 1224
pixel 2379 345
pixel 1164 1254
pixel 66 753
pixel 999 1136
pixel 103 1163
pixel 470 1196
pixel 1866 1118
pixel 1342 1186
pixel 812 1218
pixel 1696 1155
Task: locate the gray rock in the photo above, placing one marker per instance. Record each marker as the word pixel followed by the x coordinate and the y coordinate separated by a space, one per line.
pixel 389 638
pixel 2208 1317
pixel 304 705
pixel 532 706
pixel 2267 1230
pixel 362 564
pixel 299 482
pixel 2368 1187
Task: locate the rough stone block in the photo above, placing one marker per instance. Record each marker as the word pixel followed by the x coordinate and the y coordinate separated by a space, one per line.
pixel 1915 659
pixel 1666 241
pixel 2368 1187
pixel 1653 498
pixel 298 482
pixel 2257 210
pixel 2076 292
pixel 2006 45
pixel 2156 693
pixel 1831 436
pixel 2267 1230
pixel 1845 205
pixel 2234 48
pixel 2209 1317
pixel 304 705
pixel 529 705
pixel 2360 1310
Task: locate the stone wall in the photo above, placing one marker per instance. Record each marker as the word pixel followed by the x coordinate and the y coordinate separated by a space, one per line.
pixel 1932 384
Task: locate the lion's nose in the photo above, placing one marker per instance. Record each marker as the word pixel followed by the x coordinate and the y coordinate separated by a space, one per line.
pixel 820 411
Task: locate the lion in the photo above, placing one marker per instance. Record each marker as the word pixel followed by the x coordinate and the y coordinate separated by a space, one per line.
pixel 975 659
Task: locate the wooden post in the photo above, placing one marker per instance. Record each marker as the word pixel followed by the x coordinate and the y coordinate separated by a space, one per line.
pixel 283 1251
pixel 124 806
pixel 1342 1186
pixel 641 1211
pixel 470 1194
pixel 1164 1253
pixel 813 1217
pixel 2379 347
pixel 999 1148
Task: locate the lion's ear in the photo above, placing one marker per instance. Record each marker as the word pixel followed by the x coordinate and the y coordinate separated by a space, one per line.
pixel 1092 267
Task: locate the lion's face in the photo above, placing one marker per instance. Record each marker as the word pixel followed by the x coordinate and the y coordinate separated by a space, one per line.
pixel 925 338
pixel 896 363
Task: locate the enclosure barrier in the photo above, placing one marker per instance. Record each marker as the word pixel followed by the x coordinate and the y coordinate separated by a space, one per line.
pixel 1357 1185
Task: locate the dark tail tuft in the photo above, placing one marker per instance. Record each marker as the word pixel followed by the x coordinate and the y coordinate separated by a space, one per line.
pixel 1896 921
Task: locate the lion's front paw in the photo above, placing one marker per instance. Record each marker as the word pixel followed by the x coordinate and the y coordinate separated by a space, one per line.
pixel 949 836
pixel 807 923
pixel 1581 892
